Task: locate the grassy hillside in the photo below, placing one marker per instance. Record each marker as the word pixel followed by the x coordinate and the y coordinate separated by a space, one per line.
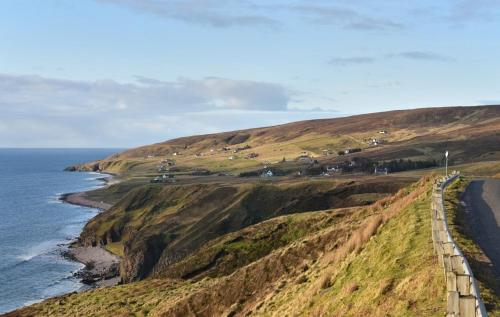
pixel 155 226
pixel 376 260
pixel 218 240
pixel 469 133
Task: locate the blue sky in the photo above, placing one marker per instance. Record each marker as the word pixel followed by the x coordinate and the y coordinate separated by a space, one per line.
pixel 121 73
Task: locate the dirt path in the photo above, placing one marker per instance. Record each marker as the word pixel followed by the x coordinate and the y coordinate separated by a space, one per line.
pixel 482 201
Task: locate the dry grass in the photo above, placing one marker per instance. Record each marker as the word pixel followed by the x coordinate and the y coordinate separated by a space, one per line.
pixel 378 272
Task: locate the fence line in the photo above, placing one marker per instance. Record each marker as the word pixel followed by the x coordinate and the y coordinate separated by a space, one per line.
pixel 463 295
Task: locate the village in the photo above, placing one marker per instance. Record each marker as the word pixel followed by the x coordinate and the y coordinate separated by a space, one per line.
pixel 330 163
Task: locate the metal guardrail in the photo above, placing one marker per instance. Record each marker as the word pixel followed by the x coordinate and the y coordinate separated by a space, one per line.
pixel 464 299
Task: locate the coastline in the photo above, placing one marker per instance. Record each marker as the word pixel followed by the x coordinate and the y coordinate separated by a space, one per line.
pixel 102 268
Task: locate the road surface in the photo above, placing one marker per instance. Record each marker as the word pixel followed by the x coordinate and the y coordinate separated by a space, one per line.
pixel 482 201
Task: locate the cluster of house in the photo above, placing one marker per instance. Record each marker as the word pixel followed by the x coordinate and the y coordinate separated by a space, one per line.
pixel 331 170
pixel 375 142
pixel 165 178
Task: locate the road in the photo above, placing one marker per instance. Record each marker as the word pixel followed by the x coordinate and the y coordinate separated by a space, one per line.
pixel 482 200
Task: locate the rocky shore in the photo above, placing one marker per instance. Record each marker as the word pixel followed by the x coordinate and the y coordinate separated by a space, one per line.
pixel 102 268
pixel 81 199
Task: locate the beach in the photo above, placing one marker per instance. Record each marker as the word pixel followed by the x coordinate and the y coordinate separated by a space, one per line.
pixel 102 268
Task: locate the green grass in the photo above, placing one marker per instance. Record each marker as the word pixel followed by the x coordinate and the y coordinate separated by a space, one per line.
pixel 115 248
pixel 489 285
pixel 396 273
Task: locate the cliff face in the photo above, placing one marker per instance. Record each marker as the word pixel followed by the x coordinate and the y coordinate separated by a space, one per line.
pixel 157 226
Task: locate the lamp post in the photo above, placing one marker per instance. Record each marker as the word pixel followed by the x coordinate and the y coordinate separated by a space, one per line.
pixel 446 155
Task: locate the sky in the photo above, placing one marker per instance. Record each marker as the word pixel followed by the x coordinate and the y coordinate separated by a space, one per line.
pixel 123 73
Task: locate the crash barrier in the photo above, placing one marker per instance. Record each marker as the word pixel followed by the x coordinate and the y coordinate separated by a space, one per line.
pixel 463 295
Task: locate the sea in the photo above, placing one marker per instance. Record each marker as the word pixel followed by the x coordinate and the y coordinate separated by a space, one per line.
pixel 35 226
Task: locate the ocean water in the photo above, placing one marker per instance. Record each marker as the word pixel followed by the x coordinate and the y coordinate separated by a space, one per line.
pixel 35 226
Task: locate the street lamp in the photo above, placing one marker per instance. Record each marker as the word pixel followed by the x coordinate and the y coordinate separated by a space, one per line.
pixel 446 155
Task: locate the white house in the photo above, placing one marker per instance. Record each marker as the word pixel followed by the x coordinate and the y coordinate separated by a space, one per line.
pixel 269 173
pixel 381 170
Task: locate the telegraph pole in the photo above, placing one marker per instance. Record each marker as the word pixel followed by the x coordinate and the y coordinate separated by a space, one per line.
pixel 446 155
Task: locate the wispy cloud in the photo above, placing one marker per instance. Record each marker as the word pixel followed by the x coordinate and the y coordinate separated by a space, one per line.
pixel 225 13
pixel 464 11
pixel 344 17
pixel 219 14
pixel 410 55
pixel 345 61
pixel 424 56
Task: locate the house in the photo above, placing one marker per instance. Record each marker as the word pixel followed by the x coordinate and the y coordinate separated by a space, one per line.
pixel 232 157
pixel 383 132
pixel 375 142
pixel 348 151
pixel 379 170
pixel 268 173
pixel 176 153
pixel 333 169
pixel 165 178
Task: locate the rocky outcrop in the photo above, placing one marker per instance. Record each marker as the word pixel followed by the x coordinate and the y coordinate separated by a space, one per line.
pixel 87 167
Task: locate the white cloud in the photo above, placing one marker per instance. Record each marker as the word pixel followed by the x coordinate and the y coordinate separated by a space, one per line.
pixel 34 93
pixel 46 112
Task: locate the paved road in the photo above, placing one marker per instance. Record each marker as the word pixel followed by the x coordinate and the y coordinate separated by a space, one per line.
pixel 482 199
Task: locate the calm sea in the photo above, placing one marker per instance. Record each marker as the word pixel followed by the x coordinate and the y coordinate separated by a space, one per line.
pixel 35 225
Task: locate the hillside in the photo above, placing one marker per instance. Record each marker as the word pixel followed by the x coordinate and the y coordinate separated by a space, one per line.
pixel 336 262
pixel 155 226
pixel 470 134
pixel 284 220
